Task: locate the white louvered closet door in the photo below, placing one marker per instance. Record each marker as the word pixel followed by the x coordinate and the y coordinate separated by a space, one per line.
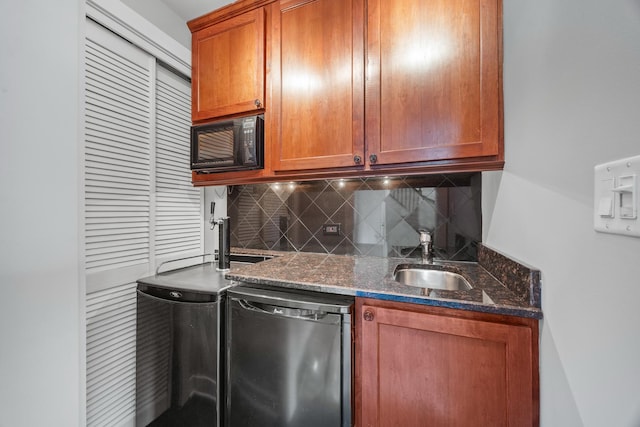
pixel 118 134
pixel 140 207
pixel 178 225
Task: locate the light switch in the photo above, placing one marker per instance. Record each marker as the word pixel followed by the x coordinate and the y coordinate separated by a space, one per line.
pixel 616 197
pixel 606 207
pixel 606 195
pixel 627 190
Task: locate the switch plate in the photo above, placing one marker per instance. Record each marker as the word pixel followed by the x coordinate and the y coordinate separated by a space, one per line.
pixel 616 198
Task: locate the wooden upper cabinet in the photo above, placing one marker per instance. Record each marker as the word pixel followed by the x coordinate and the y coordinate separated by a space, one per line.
pixel 434 80
pixel 356 86
pixel 317 79
pixel 420 366
pixel 228 67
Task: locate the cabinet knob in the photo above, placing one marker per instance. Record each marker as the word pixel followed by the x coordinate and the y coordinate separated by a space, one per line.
pixel 373 159
pixel 258 103
pixel 357 159
pixel 368 315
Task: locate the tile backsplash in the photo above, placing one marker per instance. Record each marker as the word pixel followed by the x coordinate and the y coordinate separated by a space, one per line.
pixel 360 216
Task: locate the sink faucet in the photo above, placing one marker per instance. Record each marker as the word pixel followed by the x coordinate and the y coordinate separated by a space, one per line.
pixel 224 239
pixel 426 241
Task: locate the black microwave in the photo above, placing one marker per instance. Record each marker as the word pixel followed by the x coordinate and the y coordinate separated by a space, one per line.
pixel 229 145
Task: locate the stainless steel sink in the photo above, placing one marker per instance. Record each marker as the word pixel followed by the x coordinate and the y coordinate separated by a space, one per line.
pixel 430 277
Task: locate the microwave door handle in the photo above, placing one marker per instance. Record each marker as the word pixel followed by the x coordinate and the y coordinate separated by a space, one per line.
pixel 238 149
pixel 239 153
pixel 248 158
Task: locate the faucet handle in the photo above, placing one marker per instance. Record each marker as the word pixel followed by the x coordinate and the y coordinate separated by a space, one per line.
pixel 212 219
pixel 425 236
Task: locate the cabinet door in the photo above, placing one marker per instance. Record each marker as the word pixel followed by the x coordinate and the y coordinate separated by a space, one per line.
pixel 419 369
pixel 229 67
pixel 434 83
pixel 318 86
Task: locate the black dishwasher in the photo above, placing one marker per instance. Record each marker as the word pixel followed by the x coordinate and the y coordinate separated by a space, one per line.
pixel 288 359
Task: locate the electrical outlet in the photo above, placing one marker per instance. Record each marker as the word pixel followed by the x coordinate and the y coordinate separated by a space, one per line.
pixel 331 230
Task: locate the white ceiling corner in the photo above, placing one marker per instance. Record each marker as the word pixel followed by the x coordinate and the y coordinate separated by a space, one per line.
pixel 190 9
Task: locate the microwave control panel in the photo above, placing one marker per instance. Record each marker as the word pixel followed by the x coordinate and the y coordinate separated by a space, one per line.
pixel 249 141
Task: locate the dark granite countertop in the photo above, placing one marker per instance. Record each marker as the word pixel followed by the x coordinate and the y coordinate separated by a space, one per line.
pixel 372 277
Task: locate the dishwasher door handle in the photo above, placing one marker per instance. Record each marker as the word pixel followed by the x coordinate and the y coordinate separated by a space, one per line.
pixel 274 310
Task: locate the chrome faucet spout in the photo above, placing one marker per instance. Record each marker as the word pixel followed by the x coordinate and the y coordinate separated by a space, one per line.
pixel 426 242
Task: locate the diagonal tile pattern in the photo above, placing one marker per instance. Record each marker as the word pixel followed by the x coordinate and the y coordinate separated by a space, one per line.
pixel 377 216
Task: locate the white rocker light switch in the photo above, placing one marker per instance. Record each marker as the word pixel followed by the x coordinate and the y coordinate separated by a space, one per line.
pixel 615 207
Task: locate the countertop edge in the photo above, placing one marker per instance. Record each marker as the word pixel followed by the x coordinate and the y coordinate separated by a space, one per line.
pixel 527 312
pixel 532 313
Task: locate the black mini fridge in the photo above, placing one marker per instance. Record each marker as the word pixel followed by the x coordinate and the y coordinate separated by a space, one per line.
pixel 177 354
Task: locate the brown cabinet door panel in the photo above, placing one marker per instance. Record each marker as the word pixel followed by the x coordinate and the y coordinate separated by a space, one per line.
pixel 229 67
pixel 434 84
pixel 419 369
pixel 317 84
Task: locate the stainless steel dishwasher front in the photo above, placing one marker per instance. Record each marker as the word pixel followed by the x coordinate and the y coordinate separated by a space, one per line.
pixel 289 359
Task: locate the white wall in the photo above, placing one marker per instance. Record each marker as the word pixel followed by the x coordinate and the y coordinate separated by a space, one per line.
pixel 40 286
pixel 572 100
pixel 217 194
pixel 162 17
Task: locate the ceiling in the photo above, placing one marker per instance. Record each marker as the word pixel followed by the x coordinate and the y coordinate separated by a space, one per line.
pixel 189 9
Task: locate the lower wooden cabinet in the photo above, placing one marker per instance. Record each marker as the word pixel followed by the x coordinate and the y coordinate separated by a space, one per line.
pixel 428 366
